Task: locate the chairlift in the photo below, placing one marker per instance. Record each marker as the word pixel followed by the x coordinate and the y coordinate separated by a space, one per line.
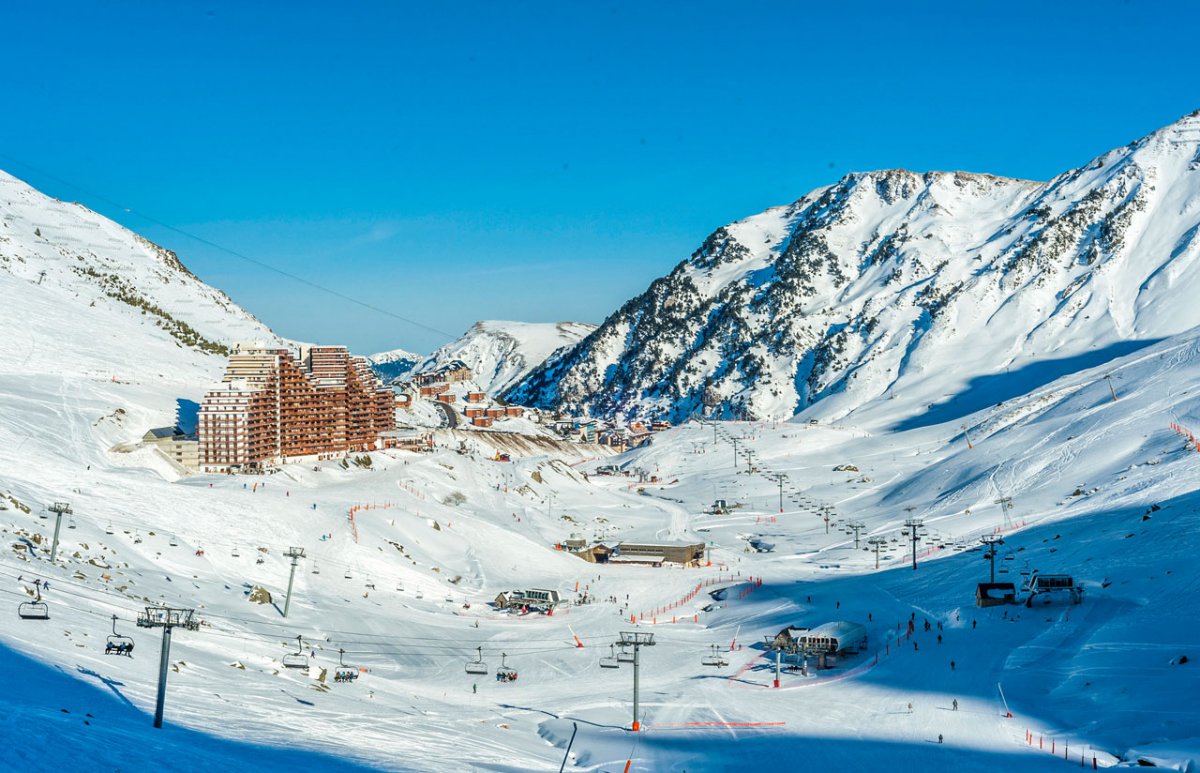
pixel 504 673
pixel 34 610
pixel 399 586
pixel 296 659
pixel 137 537
pixel 347 575
pixel 344 673
pixel 477 666
pixel 714 659
pixel 624 656
pixel 420 594
pixel 260 560
pixel 316 569
pixel 234 553
pixel 174 542
pixel 71 523
pixel 118 644
pixel 611 661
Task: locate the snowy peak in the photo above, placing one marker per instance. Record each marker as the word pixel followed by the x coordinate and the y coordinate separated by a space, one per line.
pixel 394 364
pixel 501 353
pixel 905 286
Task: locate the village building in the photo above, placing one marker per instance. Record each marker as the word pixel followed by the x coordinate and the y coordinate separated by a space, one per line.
pixel 275 404
pixel 482 421
pixel 649 554
pixel 476 397
pixel 451 373
pixel 406 440
pixel 175 444
pixel 534 599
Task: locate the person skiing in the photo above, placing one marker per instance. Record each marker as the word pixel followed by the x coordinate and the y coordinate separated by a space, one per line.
pixel 951 665
pixel 939 737
pixel 954 705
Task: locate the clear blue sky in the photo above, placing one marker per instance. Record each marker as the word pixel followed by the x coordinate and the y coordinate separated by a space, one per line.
pixel 540 161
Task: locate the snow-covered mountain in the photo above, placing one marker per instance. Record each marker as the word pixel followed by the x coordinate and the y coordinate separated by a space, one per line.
pixel 893 295
pixel 500 354
pixel 132 305
pixel 394 364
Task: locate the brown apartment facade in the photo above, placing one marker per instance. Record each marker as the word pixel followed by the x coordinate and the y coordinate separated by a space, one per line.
pixel 277 404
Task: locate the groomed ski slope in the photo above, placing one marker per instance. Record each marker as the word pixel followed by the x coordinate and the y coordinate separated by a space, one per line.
pixel 1099 676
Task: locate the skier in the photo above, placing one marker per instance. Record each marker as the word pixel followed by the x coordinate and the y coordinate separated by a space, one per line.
pixel 939 737
pixel 974 623
pixel 939 638
pixel 955 705
pixel 951 665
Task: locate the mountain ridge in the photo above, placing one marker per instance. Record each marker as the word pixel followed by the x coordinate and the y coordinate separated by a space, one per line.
pixel 899 285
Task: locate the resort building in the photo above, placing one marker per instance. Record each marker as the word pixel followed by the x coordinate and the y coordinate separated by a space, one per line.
pixel 276 404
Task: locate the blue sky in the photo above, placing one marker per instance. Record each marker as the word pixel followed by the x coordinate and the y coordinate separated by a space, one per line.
pixel 540 161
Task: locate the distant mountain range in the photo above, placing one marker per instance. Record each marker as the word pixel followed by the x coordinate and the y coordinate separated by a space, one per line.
pixel 500 354
pixel 904 298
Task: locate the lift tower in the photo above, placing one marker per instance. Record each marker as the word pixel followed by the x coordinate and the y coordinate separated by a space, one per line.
pixel 166 618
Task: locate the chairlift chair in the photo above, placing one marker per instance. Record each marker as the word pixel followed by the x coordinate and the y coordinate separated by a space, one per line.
pixel 344 673
pixel 420 593
pixel 109 529
pixel 504 673
pixel 714 659
pixel 316 569
pixel 118 644
pixel 137 537
pixel 296 659
pixel 347 575
pixel 70 523
pixel 624 656
pixel 235 553
pixel 34 610
pixel 611 662
pixel 477 666
pixel 174 542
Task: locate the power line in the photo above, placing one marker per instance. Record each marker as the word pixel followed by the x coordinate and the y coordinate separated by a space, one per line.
pixel 229 251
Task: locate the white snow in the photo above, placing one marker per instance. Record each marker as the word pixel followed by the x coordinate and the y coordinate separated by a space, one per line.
pixel 79 384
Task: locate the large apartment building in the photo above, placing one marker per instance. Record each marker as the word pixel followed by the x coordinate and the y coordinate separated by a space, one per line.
pixel 277 404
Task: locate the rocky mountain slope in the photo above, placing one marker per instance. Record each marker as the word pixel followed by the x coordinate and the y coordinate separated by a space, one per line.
pixel 912 288
pixel 500 354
